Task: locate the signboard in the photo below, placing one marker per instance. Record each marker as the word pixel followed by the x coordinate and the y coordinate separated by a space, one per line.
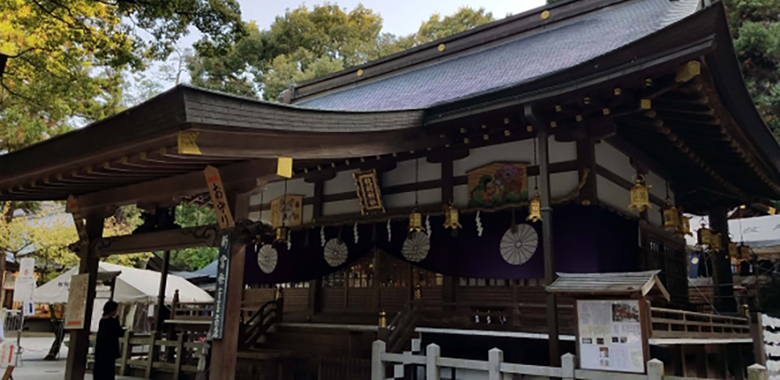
pixel 27 267
pixel 218 198
pixel 497 184
pixel 610 336
pixel 287 210
pixel 220 293
pixel 369 192
pixel 24 289
pixel 77 301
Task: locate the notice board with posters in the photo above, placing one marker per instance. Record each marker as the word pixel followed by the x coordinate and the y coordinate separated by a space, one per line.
pixel 610 335
pixel 77 302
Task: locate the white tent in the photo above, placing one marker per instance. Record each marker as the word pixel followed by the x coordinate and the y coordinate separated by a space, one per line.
pixel 133 286
pixel 761 233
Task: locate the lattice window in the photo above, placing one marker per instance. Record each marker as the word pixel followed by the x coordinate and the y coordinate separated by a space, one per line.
pixel 426 278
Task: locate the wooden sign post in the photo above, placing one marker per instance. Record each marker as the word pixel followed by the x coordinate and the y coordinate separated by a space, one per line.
pixel 219 198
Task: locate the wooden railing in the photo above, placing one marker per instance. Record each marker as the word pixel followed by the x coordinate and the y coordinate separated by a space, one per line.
pixel 144 354
pixel 253 327
pixel 496 368
pixel 192 310
pixel 670 323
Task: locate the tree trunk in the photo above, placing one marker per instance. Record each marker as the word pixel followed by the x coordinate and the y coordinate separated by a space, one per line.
pixel 59 335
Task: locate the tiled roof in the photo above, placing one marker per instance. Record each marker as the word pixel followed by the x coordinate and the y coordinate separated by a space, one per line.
pixel 530 56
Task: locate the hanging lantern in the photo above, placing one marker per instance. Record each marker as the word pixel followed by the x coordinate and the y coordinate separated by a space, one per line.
pixel 685 225
pixel 640 197
pixel 535 209
pixel 281 234
pixel 415 222
pixel 671 219
pixel 733 250
pixel 451 218
pixel 744 252
pixel 704 236
pixel 715 242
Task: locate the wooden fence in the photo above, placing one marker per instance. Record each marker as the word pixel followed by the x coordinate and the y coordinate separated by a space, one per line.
pixel 149 353
pixel 497 369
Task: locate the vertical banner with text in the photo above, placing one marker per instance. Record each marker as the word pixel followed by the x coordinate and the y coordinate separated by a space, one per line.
pixel 77 302
pixel 220 293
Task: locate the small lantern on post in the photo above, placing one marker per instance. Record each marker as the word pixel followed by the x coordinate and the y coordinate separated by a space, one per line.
pixel 535 209
pixel 640 197
pixel 382 319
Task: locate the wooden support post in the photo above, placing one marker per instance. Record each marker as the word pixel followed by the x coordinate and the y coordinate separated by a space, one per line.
pixel 159 315
pixel 126 352
pixel 179 355
pixel 655 370
pixel 568 364
pixel 432 354
pixel 79 339
pixel 722 278
pixel 547 243
pixel 225 351
pixel 377 366
pixel 495 358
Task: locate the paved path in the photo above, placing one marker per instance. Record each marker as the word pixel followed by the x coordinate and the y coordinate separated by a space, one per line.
pixel 35 368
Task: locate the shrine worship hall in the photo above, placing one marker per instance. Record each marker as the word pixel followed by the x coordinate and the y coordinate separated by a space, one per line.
pixel 523 186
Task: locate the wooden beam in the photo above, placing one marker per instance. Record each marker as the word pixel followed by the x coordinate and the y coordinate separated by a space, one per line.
pixel 203 236
pixel 237 175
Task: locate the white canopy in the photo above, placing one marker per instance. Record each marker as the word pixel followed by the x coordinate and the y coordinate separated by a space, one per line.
pixel 761 233
pixel 132 286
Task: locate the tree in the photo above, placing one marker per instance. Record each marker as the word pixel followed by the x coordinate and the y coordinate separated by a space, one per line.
pixel 192 259
pixel 304 44
pixel 67 56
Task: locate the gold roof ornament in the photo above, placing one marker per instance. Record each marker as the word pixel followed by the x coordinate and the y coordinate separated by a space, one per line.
pixel 535 209
pixel 415 222
pixel 451 216
pixel 545 15
pixel 640 197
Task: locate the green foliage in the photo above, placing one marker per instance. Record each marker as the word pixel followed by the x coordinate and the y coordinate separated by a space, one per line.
pixel 307 43
pixel 192 259
pixel 755 27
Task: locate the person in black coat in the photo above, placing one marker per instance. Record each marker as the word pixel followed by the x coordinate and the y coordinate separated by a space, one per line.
pixel 107 343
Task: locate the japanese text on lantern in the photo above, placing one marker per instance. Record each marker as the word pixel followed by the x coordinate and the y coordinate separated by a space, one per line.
pixel 218 198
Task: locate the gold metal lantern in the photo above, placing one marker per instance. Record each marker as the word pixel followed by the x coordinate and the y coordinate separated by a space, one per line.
pixel 281 234
pixel 715 242
pixel 451 216
pixel 640 196
pixel 704 236
pixel 685 225
pixel 415 222
pixel 535 209
pixel 672 219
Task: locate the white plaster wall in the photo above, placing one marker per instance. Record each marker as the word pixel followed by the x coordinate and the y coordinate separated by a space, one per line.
pixel 405 170
pixel 460 195
pixel 561 184
pixel 614 160
pixel 613 195
pixel 349 206
pixel 276 189
pixel 342 183
pixel 426 197
pixel 658 186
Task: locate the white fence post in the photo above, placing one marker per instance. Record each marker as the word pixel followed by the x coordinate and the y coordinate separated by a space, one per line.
pixel 567 366
pixel 377 366
pixel 495 358
pixel 432 354
pixel 655 369
pixel 757 372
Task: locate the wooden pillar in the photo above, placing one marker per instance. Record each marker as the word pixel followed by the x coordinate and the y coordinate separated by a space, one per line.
pixel 159 316
pixel 225 350
pixel 547 243
pixel 723 281
pixel 79 339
